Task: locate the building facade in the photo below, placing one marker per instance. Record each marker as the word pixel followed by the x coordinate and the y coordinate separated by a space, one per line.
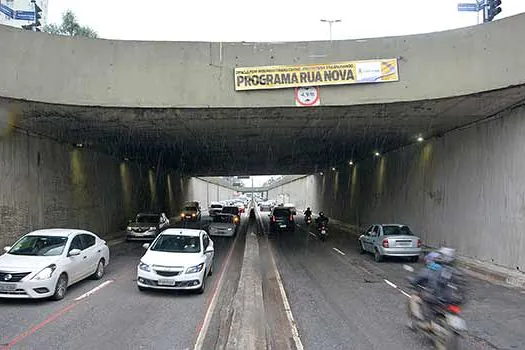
pixel 9 7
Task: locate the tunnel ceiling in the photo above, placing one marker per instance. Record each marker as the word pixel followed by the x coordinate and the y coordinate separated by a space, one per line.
pixel 222 141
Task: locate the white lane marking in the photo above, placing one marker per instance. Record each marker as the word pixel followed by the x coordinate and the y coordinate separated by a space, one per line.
pixel 396 287
pixel 313 234
pixel 199 343
pixel 94 290
pixel 337 250
pixel 287 308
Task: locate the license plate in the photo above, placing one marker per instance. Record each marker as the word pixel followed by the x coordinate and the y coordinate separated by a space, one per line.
pixel 456 322
pixel 163 282
pixel 323 232
pixel 403 244
pixel 7 287
pixel 282 226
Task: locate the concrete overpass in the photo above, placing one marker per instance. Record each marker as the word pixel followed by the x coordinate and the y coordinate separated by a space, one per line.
pixel 171 109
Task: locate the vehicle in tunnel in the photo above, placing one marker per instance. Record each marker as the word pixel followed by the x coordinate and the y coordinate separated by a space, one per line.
pixel 44 263
pixel 291 207
pixel 234 210
pixel 177 259
pixel 190 213
pixel 281 219
pixel 265 206
pixel 392 240
pixel 214 208
pixel 223 225
pixel 146 226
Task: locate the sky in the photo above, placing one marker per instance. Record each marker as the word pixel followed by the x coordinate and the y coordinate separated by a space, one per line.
pixel 269 20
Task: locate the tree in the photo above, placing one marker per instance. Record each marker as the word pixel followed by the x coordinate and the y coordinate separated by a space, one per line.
pixel 70 27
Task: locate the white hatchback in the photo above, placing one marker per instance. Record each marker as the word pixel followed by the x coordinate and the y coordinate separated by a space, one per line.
pixel 177 259
pixel 44 263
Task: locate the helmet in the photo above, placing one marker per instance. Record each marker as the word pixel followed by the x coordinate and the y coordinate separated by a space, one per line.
pixel 308 208
pixel 321 213
pixel 446 255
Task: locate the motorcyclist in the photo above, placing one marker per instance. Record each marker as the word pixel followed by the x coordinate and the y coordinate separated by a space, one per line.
pixel 321 219
pixel 308 212
pixel 436 278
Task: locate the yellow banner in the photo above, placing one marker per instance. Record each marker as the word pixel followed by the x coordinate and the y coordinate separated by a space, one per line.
pixel 352 72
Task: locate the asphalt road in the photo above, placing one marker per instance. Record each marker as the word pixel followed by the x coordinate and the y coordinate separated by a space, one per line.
pixel 340 299
pixel 117 316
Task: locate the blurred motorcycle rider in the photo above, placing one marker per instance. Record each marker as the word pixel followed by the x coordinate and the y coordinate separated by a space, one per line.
pixel 442 283
pixel 308 212
pixel 321 219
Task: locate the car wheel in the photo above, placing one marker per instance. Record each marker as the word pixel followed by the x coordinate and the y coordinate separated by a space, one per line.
pixel 203 286
pixel 60 288
pixel 99 273
pixel 361 248
pixel 377 256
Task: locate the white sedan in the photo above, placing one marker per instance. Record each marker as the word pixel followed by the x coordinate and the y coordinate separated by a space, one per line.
pixel 177 259
pixel 45 263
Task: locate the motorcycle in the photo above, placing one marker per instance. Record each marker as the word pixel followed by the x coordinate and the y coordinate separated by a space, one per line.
pixel 322 231
pixel 445 330
pixel 308 220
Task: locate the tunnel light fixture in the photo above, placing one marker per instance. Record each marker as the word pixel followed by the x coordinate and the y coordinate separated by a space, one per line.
pixel 321 173
pixel 377 154
pixel 126 159
pixel 333 169
pixel 420 139
pixel 79 145
pixel 350 162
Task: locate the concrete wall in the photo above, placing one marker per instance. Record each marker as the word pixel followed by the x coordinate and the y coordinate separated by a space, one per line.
pixel 79 71
pixel 466 190
pixel 206 192
pixel 46 184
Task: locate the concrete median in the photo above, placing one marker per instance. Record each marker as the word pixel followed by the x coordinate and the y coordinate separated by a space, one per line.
pixel 247 330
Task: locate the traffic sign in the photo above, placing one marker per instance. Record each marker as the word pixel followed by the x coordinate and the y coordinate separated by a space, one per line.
pixel 6 10
pixel 468 7
pixel 24 15
pixel 307 96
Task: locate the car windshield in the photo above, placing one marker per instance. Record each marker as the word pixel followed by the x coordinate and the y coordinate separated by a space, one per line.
pixel 177 244
pixel 216 206
pixel 148 218
pixel 281 212
pixel 227 219
pixel 396 231
pixel 190 209
pixel 39 246
pixel 230 210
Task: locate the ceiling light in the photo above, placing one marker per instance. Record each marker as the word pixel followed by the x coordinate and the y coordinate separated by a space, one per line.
pixel 420 139
pixel 350 163
pixel 79 145
pixel 377 154
pixel 321 173
pixel 126 159
pixel 333 169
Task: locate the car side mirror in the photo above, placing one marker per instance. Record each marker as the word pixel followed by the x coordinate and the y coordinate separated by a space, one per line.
pixel 7 248
pixel 74 252
pixel 145 245
pixel 209 250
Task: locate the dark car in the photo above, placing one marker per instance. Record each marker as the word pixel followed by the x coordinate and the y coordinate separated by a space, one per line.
pixel 234 210
pixel 146 226
pixel 281 219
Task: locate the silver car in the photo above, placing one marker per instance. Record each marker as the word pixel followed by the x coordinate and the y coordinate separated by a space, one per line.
pixel 390 240
pixel 223 225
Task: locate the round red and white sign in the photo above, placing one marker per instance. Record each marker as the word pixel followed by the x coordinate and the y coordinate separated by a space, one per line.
pixel 307 96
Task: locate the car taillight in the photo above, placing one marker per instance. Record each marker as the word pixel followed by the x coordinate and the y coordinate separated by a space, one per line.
pixel 454 309
pixel 419 243
pixel 385 243
pixel 291 217
pixel 273 218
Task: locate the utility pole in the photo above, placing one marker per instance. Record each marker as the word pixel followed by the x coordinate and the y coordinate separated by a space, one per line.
pixel 330 23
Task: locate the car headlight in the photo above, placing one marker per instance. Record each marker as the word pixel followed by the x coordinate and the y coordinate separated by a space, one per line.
pixel 46 273
pixel 182 215
pixel 194 215
pixel 195 269
pixel 144 267
pixel 230 229
pixel 128 228
pixel 152 228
